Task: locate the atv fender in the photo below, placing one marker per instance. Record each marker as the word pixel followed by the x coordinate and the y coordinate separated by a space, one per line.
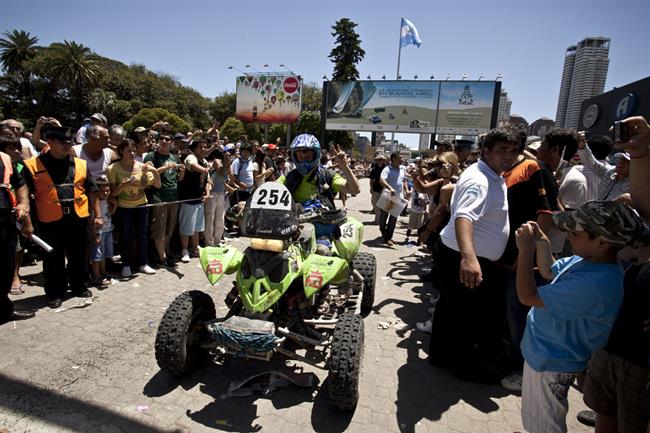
pixel 218 261
pixel 317 271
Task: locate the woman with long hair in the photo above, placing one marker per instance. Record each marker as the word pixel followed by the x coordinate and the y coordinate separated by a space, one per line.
pixel 128 180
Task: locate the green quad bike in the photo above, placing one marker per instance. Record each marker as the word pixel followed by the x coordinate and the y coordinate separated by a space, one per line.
pixel 292 291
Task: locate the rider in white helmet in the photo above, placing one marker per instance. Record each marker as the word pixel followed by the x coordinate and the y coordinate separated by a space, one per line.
pixel 309 180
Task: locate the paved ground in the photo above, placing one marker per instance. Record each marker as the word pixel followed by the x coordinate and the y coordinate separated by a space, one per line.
pixel 92 369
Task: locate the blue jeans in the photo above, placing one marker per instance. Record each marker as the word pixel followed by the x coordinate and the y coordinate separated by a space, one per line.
pixel 133 223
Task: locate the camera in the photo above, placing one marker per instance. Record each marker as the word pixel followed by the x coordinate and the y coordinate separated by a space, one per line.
pixel 621 132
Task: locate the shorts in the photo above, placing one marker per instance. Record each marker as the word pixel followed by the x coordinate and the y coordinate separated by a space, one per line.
pixel 191 219
pixel 544 400
pixel 616 389
pixel 163 220
pixel 103 250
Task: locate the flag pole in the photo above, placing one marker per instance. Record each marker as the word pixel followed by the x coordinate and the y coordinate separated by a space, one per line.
pixel 399 51
pixel 399 55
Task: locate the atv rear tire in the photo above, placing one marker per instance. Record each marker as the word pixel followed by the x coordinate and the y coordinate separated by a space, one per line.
pixel 178 348
pixel 366 264
pixel 345 361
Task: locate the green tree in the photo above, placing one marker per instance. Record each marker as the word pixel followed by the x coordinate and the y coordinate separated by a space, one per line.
pixel 312 97
pixel 348 52
pixel 148 116
pixel 233 129
pixel 103 101
pixel 309 123
pixel 73 66
pixel 279 130
pixel 17 48
pixel 223 106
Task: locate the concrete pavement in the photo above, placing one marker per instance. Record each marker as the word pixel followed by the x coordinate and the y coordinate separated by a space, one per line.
pixel 92 368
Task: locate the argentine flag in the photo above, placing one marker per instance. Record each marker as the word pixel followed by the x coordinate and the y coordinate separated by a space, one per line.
pixel 409 34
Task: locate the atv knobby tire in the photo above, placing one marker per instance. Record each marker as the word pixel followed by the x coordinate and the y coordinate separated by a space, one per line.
pixel 345 361
pixel 366 264
pixel 178 348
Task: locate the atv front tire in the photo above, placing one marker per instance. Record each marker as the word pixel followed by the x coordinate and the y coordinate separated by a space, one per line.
pixel 366 264
pixel 178 348
pixel 345 361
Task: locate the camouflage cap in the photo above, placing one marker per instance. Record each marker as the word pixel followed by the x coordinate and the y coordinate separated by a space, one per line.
pixel 609 220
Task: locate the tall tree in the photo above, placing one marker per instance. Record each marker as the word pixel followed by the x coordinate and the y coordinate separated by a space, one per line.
pixel 74 66
pixel 348 52
pixel 17 48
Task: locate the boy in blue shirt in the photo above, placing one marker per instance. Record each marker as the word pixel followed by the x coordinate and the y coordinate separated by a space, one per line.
pixel 572 316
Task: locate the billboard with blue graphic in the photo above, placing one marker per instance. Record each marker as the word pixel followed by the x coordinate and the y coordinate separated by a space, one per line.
pixel 446 107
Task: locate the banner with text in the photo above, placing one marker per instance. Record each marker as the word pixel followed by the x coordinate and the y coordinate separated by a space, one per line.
pixel 268 98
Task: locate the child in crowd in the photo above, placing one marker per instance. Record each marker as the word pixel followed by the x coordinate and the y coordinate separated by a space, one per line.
pixel 572 316
pixel 102 247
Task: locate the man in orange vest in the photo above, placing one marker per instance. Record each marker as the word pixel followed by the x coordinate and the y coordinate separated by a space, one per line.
pixel 14 205
pixel 64 192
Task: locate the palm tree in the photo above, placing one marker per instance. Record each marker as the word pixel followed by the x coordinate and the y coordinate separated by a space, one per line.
pixel 102 100
pixel 73 66
pixel 16 49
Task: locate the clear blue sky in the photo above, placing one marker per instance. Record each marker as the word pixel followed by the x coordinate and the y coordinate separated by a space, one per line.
pixel 196 41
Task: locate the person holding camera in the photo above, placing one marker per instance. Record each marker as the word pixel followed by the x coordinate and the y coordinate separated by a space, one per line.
pixel 614 181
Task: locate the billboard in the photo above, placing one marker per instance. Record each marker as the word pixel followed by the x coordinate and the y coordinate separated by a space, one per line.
pixel 268 98
pixel 465 108
pixel 404 106
pixel 426 107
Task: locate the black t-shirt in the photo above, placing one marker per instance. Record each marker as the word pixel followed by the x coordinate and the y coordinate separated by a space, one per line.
pixel 193 184
pixel 268 161
pixel 627 339
pixel 375 175
pixel 550 185
pixel 16 181
pixel 61 171
pixel 526 199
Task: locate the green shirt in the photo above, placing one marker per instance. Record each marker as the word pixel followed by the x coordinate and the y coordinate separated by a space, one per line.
pixel 309 191
pixel 168 190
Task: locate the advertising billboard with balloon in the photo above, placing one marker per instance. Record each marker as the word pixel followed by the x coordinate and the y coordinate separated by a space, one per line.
pixel 268 98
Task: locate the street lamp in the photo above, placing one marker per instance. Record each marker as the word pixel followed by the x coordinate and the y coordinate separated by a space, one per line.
pixel 431 77
pixel 250 67
pixel 383 77
pixel 464 77
pixel 324 77
pixel 399 77
pixel 368 77
pixel 499 76
pixel 481 77
pixel 269 66
pixel 237 69
pixel 415 77
pixel 448 77
pixel 285 67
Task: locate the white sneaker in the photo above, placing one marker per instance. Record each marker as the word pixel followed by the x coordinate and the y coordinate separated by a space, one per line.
pixel 126 271
pixel 186 257
pixel 512 382
pixel 425 326
pixel 146 269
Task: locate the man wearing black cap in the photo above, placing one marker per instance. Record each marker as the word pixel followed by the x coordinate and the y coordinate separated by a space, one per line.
pixel 64 194
pixel 463 149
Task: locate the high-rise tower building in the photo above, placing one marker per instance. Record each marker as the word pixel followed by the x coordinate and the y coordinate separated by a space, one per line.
pixel 583 76
pixel 505 104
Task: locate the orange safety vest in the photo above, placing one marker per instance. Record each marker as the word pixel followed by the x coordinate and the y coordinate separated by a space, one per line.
pixel 48 205
pixel 6 179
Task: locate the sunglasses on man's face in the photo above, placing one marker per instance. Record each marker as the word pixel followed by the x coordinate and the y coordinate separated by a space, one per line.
pixel 165 139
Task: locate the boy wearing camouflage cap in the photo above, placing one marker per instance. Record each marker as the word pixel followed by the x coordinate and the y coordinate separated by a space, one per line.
pixel 572 316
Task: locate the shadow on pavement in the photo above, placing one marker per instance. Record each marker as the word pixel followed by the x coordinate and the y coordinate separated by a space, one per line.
pixel 56 409
pixel 327 418
pixel 425 391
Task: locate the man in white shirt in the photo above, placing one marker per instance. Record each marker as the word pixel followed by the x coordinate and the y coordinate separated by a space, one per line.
pixel 393 179
pixel 95 151
pixel 466 323
pixel 27 148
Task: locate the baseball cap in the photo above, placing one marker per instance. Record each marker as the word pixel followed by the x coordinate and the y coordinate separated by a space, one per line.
pixel 463 144
pixel 99 117
pixel 229 147
pixel 60 133
pixel 612 221
pixel 181 137
pixel 140 129
pixel 272 146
